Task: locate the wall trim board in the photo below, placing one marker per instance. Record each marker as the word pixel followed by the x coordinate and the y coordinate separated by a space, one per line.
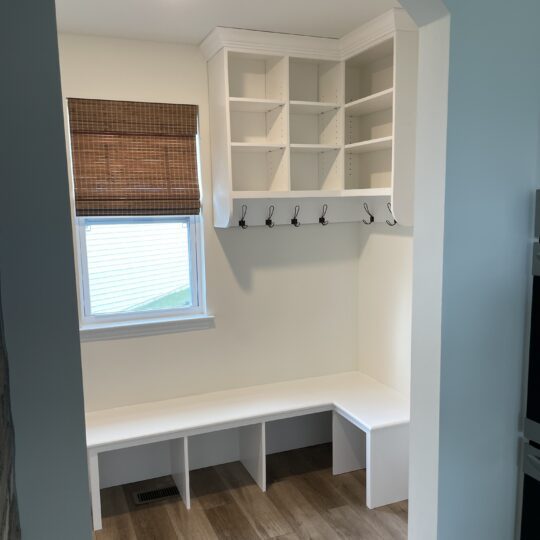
pixel 427 277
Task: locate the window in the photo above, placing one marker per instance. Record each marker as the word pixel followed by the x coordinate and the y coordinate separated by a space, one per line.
pixel 134 268
pixel 137 205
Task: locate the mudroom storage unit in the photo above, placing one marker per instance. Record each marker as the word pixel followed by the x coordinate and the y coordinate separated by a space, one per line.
pixel 312 127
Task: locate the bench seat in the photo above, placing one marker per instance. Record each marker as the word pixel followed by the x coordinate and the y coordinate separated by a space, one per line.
pixel 370 428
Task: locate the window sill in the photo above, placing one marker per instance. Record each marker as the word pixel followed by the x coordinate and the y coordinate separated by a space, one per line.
pixel 148 327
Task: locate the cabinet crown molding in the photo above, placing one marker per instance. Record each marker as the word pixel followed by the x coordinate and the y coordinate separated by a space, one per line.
pixel 361 38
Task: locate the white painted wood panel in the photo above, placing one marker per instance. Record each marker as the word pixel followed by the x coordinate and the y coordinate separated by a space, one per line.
pixel 252 441
pixel 95 495
pixel 221 153
pixel 180 468
pixel 404 148
pixel 348 446
pixel 387 471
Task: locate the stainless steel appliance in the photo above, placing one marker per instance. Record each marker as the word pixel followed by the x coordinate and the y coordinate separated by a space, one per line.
pixel 530 516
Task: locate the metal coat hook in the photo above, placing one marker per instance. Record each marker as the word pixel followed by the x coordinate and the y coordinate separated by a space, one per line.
pixel 269 223
pixel 390 223
pixel 371 216
pixel 294 220
pixel 322 220
pixel 242 223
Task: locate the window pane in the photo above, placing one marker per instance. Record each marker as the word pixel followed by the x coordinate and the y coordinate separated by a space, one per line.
pixel 138 266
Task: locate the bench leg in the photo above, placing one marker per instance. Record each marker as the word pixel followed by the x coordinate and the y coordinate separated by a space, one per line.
pixel 348 446
pixel 95 495
pixel 253 452
pixel 180 468
pixel 387 475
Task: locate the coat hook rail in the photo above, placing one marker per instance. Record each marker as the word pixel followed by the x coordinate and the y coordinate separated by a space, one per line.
pixel 322 220
pixel 371 218
pixel 393 222
pixel 294 220
pixel 242 223
pixel 269 223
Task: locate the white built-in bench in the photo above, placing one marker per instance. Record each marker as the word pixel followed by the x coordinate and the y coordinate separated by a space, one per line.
pixel 370 429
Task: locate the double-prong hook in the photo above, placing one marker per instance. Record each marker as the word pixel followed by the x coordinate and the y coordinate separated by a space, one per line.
pixel 394 222
pixel 322 220
pixel 269 223
pixel 242 223
pixel 294 220
pixel 371 216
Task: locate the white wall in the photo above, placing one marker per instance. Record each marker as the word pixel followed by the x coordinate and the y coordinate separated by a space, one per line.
pixel 286 300
pixel 384 303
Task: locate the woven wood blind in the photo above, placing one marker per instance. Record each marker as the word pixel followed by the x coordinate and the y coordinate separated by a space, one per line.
pixel 134 158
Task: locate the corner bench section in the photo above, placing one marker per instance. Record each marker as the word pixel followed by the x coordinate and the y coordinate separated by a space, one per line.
pixel 370 425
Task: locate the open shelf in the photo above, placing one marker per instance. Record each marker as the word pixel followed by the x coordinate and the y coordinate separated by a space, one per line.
pixel 263 126
pixel 369 171
pixel 313 193
pixel 314 80
pixel 371 104
pixel 374 126
pixel 249 105
pixel 297 194
pixel 259 168
pixel 312 107
pixel 316 170
pixel 257 76
pixel 370 72
pixel 313 148
pixel 241 147
pixel 373 145
pixel 368 192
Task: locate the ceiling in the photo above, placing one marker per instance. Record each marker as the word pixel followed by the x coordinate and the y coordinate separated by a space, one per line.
pixel 189 21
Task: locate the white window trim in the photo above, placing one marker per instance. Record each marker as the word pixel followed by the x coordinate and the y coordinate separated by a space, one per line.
pixel 148 327
pixel 116 326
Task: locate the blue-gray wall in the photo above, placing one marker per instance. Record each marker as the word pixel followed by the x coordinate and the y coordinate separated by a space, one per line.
pixel 492 172
pixel 38 281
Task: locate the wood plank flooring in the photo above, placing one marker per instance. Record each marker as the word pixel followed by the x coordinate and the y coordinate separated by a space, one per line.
pixel 303 501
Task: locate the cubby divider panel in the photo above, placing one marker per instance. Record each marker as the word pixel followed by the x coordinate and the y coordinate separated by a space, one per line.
pixel 180 467
pixel 348 446
pixel 253 452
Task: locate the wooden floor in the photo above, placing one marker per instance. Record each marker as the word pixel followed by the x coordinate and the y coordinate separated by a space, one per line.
pixel 303 501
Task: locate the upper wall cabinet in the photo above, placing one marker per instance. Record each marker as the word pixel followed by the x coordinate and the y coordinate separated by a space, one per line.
pixel 303 125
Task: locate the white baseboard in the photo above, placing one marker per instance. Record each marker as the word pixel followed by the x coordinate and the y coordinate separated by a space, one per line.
pixel 153 460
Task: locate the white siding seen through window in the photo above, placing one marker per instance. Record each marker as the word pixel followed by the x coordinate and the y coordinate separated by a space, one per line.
pixel 137 265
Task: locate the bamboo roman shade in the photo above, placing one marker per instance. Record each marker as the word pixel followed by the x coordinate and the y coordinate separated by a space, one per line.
pixel 133 158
